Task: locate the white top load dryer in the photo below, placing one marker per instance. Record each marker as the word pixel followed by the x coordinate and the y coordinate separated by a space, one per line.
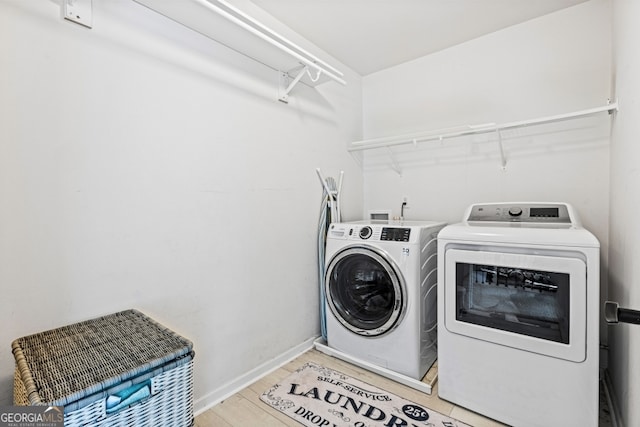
pixel 518 314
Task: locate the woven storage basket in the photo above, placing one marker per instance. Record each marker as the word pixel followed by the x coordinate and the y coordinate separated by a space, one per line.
pixel 88 366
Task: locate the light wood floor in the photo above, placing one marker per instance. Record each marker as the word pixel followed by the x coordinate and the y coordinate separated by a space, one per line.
pixel 246 409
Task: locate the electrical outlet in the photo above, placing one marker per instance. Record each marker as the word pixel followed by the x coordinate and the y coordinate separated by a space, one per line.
pixel 78 11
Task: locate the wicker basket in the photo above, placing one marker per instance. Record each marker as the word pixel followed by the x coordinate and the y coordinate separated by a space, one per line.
pixel 87 367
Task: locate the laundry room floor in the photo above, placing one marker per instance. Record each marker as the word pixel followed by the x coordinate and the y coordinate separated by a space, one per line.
pixel 245 408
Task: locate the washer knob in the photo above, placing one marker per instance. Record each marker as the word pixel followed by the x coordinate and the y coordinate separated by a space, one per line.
pixel 365 232
pixel 515 211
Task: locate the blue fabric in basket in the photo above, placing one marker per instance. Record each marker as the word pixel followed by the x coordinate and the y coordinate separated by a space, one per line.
pixel 128 396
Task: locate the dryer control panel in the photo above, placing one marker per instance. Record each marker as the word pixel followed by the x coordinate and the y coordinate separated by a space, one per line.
pixel 553 213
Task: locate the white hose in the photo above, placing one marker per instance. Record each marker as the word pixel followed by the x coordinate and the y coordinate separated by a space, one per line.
pixel 329 212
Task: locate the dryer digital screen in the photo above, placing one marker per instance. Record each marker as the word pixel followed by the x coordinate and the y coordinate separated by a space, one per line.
pixel 543 212
pixel 395 234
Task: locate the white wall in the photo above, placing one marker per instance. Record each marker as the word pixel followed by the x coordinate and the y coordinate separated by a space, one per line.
pixel 624 254
pixel 554 64
pixel 143 165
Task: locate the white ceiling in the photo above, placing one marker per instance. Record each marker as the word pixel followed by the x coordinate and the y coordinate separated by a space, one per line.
pixel 371 35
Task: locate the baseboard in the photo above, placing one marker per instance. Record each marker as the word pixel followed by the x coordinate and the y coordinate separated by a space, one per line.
pixel 232 387
pixel 614 410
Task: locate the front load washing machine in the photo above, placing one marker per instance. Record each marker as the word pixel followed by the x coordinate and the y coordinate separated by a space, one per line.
pixel 381 293
pixel 518 315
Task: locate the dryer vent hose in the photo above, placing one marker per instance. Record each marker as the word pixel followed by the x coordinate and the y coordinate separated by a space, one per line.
pixel 329 212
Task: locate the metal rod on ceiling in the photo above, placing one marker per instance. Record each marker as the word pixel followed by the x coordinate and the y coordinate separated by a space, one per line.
pixel 309 60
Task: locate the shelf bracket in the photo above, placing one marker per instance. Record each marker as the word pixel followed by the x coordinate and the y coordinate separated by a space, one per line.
pixel 394 163
pixel 286 84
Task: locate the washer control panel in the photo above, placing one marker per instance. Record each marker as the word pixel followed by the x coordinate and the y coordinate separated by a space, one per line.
pixel 374 233
pixel 382 234
pixel 556 213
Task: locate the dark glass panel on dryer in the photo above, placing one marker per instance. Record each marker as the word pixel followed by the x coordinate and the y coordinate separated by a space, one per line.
pixel 543 212
pixel 528 302
pixel 362 291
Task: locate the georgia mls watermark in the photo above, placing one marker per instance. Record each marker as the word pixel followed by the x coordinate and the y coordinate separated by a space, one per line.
pixel 31 416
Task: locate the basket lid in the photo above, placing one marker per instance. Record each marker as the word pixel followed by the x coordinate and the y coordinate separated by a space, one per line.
pixel 63 365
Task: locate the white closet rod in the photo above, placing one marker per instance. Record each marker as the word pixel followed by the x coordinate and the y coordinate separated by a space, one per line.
pixel 248 23
pixel 472 129
pixel 281 38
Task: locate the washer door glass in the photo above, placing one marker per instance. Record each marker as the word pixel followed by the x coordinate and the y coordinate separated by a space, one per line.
pixel 364 290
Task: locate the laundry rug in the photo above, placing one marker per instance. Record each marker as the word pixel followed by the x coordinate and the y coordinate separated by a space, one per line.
pixel 316 396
